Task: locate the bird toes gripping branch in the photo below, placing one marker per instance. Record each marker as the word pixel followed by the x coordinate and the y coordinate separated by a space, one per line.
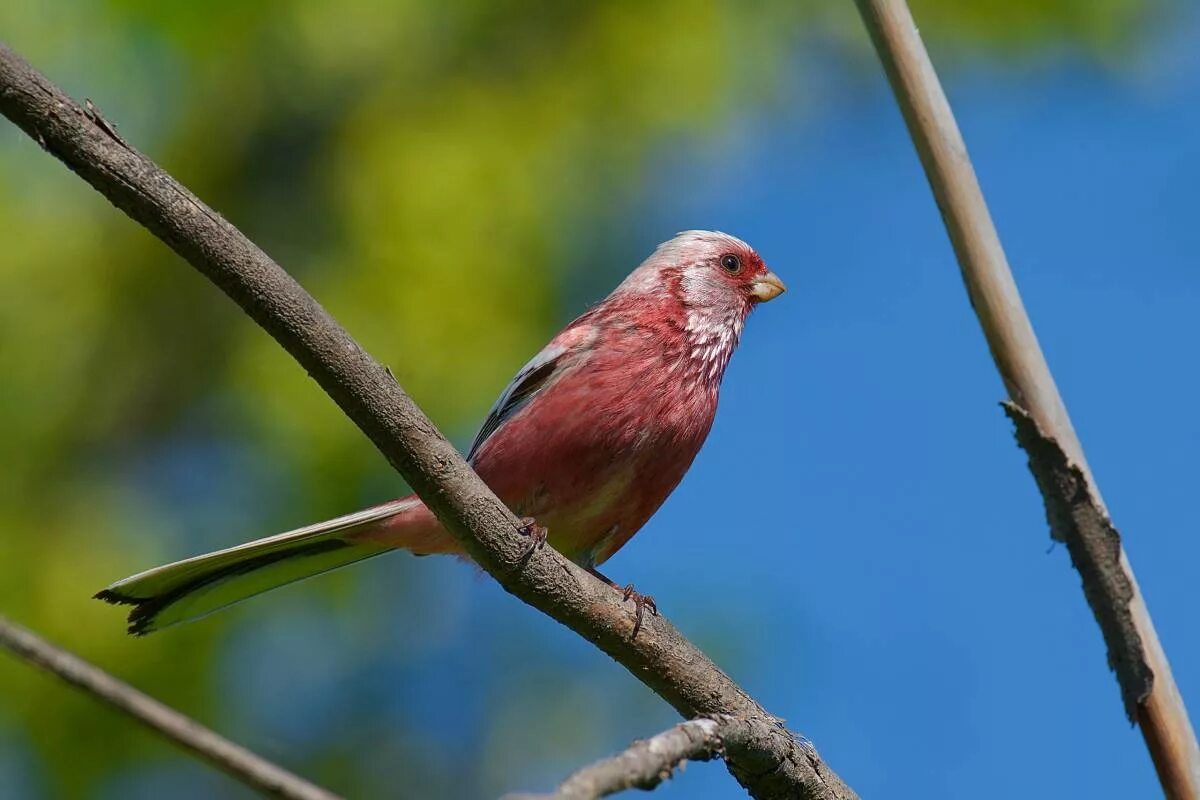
pixel 538 534
pixel 640 601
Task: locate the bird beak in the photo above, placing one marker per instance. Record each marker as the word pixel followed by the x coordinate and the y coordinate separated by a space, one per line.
pixel 767 287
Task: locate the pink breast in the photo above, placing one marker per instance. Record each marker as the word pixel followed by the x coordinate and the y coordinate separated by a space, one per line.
pixel 596 454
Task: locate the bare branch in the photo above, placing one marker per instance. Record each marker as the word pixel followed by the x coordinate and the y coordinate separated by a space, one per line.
pixel 238 762
pixel 648 762
pixel 769 766
pixel 1134 651
pixel 643 765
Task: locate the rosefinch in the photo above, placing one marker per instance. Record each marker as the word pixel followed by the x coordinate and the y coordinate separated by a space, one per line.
pixel 589 439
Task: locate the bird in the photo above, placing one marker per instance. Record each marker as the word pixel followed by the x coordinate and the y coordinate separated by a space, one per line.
pixel 584 444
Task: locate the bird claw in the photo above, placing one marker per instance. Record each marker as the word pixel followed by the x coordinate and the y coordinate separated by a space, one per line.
pixel 537 534
pixel 641 602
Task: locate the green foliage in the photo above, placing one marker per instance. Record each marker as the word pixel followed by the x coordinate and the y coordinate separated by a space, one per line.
pixel 421 167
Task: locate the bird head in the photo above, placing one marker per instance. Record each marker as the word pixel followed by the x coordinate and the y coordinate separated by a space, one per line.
pixel 722 269
pixel 708 282
pixel 711 274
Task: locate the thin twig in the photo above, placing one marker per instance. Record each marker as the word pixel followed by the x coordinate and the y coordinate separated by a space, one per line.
pixel 768 766
pixel 643 765
pixel 648 762
pixel 1074 506
pixel 252 770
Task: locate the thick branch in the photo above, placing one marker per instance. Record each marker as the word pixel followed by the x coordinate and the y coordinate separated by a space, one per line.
pixel 648 762
pixel 659 656
pixel 250 769
pixel 1134 651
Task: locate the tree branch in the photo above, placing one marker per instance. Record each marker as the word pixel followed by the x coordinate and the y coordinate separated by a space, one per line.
pixel 648 762
pixel 769 766
pixel 1075 509
pixel 238 762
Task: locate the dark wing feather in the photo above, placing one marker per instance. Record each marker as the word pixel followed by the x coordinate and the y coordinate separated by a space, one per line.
pixel 533 378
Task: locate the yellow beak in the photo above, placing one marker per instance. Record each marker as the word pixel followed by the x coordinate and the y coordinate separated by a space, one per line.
pixel 767 287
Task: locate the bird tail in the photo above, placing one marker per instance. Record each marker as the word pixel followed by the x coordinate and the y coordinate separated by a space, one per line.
pixel 197 586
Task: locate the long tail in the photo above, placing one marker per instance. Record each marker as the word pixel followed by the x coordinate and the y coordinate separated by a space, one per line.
pixel 189 589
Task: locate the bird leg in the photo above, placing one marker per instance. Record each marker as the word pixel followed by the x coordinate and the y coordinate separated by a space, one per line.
pixel 537 534
pixel 640 601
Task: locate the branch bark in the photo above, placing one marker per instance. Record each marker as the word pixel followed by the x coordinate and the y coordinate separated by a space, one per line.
pixel 648 762
pixel 643 765
pixel 1074 507
pixel 238 762
pixel 769 766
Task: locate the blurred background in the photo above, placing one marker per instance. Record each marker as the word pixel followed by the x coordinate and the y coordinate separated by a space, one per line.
pixel 859 544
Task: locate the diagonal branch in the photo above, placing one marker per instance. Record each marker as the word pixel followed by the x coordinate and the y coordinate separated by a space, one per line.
pixel 648 762
pixel 774 766
pixel 1074 507
pixel 252 770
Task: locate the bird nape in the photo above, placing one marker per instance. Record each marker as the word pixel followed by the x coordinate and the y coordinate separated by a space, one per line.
pixel 588 439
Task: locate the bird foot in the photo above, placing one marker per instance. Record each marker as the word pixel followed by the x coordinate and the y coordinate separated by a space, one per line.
pixel 537 534
pixel 640 602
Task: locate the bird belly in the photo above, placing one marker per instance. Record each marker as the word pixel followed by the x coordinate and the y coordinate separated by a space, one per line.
pixel 590 496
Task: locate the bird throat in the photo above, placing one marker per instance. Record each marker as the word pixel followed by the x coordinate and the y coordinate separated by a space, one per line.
pixel 711 335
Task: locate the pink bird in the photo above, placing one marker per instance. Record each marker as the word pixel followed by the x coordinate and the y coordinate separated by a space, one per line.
pixel 588 439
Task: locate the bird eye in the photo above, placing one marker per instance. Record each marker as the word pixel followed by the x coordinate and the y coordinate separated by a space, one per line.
pixel 731 263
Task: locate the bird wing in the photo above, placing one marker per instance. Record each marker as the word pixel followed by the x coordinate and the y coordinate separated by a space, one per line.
pixel 542 370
